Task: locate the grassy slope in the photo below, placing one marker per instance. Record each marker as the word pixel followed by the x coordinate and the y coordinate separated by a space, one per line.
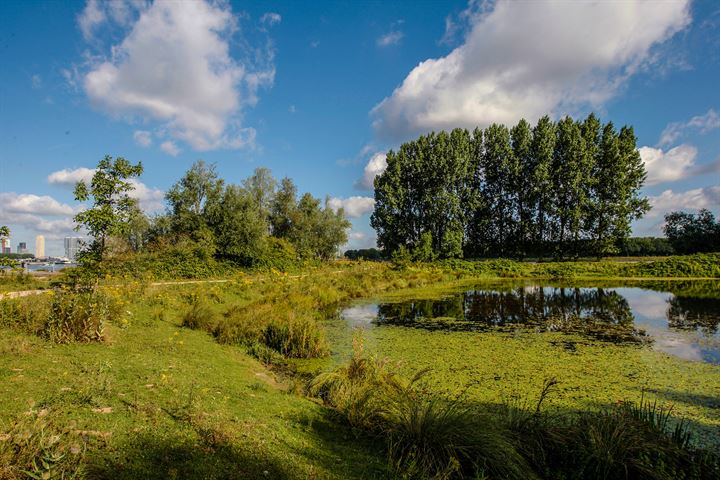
pixel 182 406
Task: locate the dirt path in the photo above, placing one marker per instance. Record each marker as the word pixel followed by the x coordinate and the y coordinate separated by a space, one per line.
pixel 26 293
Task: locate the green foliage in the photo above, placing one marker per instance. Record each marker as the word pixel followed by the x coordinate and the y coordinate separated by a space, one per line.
pixel 25 314
pixel 77 317
pixel 295 336
pixel 689 233
pixel 112 208
pixel 564 188
pixel 34 447
pixel 365 254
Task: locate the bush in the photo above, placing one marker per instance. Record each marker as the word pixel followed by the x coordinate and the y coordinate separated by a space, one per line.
pixel 199 315
pixel 26 314
pixel 77 317
pixel 295 336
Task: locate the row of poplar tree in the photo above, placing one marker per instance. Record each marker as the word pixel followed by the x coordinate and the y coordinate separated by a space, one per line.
pixel 557 188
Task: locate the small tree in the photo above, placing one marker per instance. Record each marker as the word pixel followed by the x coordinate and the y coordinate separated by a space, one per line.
pixel 4 231
pixel 112 207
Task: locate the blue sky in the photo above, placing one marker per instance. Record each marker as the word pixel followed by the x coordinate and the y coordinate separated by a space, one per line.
pixel 319 91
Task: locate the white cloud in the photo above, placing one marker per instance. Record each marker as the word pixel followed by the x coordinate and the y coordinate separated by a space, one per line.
pixel 703 123
pixel 707 197
pixel 170 148
pixel 150 199
pixel 673 164
pixel 390 38
pixel 142 138
pixel 528 59
pixel 39 213
pixel 375 166
pixel 354 206
pixel 91 17
pixel 270 18
pixel 36 81
pixel 174 66
pixel 27 203
pixel 71 177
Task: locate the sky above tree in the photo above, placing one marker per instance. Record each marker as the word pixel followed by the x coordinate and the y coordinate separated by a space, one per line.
pixel 319 91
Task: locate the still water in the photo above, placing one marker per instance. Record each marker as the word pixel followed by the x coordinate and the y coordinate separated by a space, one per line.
pixel 686 325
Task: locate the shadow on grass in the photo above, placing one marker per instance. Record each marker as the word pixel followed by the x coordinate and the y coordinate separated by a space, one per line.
pixel 183 457
pixel 199 453
pixel 345 453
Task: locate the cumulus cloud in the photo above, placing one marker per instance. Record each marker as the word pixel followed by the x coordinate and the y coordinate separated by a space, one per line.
pixel 527 59
pixel 170 148
pixel 375 166
pixel 695 199
pixel 27 203
pixel 150 199
pixel 704 123
pixel 390 38
pixel 142 138
pixel 666 166
pixel 71 177
pixel 174 66
pixel 354 206
pixel 40 213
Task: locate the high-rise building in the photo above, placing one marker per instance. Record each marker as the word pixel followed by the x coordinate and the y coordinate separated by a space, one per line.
pixel 40 246
pixel 72 247
pixel 22 247
pixel 5 246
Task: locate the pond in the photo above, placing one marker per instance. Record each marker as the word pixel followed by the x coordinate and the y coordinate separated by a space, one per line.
pixel 500 342
pixel 682 325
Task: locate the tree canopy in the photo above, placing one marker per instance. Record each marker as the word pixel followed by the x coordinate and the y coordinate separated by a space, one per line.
pixel 518 191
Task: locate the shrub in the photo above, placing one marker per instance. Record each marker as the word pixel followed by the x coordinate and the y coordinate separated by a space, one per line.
pixel 26 314
pixel 295 336
pixel 199 315
pixel 77 317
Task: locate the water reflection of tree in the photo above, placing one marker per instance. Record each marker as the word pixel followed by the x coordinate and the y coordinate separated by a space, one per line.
pixel 691 313
pixel 518 306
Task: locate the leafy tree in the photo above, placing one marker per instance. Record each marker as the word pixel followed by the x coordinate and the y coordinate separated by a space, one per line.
pixel 570 171
pixel 4 231
pixel 691 233
pixel 112 207
pixel 190 196
pixel 541 190
pixel 630 205
pixel 261 187
pixel 499 164
pixel 239 228
pixel 522 168
pixel 282 209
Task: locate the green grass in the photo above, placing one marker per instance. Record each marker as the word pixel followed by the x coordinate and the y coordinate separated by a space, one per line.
pixel 162 401
pixel 158 399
